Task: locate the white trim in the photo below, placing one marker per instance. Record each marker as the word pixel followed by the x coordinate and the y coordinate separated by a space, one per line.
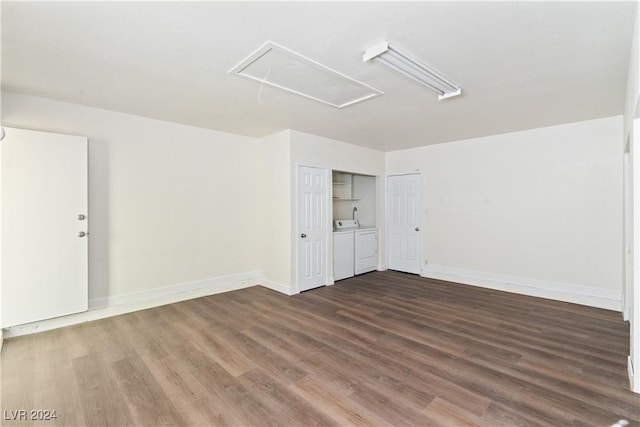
pixel 382 267
pixel 278 287
pixel 1 340
pixel 568 292
pixel 627 233
pixel 635 252
pixel 631 375
pixel 216 285
pixel 101 308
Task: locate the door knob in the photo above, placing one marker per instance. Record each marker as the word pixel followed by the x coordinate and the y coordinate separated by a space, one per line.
pixel 81 217
pixel 303 235
pixel 417 228
pixel 82 234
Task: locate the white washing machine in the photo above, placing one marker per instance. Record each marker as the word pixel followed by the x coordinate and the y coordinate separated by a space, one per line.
pixel 355 249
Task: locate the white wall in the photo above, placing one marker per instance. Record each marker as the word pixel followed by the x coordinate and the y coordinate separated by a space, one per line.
pixel 539 208
pixel 173 206
pixel 274 195
pixel 633 76
pixel 169 204
pixel 364 188
pixel 278 158
pixel 313 150
pixel 631 137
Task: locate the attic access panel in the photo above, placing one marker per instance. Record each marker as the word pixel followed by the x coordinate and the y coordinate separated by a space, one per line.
pixel 279 67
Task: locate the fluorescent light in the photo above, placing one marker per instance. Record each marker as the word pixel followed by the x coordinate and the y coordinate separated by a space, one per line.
pixel 407 65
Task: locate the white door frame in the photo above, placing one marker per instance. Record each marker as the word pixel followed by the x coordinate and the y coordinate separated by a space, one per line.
pixel 296 227
pixel 627 237
pixel 635 252
pixel 420 249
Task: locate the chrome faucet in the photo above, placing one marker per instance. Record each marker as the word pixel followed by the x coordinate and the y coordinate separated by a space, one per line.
pixel 355 209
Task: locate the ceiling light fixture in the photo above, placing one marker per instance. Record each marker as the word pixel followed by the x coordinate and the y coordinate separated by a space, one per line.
pixel 407 65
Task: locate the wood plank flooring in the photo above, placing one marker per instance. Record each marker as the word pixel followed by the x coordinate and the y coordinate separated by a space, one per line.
pixel 379 349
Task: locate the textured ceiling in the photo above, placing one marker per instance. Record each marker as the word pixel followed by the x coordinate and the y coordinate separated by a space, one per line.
pixel 521 64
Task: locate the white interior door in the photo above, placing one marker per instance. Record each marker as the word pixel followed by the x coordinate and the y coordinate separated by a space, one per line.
pixel 313 226
pixel 404 247
pixel 44 258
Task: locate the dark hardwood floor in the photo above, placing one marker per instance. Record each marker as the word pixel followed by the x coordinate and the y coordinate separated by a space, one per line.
pixel 380 349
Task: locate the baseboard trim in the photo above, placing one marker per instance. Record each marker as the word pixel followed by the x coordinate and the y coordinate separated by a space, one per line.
pixel 101 308
pixel 278 287
pixel 382 267
pixel 577 294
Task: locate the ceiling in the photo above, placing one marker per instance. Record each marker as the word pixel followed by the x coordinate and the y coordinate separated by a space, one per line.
pixel 521 65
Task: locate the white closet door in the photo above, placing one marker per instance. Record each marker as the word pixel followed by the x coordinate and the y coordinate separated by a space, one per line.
pixel 404 245
pixel 313 225
pixel 44 215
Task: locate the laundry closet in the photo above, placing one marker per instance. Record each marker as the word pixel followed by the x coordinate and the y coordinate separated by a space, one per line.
pixel 355 236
